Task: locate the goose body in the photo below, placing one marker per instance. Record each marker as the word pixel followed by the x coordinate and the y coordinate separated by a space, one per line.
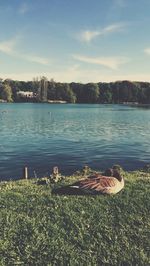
pixel 99 185
pixel 109 183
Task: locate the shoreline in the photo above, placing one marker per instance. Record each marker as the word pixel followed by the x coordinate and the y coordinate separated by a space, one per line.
pixel 145 170
pixel 65 102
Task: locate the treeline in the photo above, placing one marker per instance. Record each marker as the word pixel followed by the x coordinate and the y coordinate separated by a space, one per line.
pixel 113 92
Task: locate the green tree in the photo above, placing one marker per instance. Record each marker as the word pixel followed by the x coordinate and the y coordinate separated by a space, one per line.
pixel 91 93
pixel 65 93
pixel 43 89
pixel 105 93
pixel 144 95
pixel 79 91
pixel 51 93
pixel 6 93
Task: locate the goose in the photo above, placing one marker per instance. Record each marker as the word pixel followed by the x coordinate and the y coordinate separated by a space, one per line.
pixel 111 182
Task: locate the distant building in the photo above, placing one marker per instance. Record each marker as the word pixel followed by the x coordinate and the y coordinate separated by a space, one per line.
pixel 26 94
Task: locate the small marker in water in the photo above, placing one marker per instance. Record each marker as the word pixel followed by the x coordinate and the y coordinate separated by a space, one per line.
pixel 25 172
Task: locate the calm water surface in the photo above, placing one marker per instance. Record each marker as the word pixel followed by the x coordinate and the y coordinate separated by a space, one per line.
pixel 70 136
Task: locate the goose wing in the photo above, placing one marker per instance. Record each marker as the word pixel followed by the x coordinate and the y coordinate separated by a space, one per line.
pixel 101 184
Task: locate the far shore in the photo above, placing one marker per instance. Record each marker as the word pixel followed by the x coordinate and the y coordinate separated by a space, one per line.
pixel 56 101
pixel 132 104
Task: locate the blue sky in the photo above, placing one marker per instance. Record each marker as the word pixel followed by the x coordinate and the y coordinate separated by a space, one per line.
pixel 75 40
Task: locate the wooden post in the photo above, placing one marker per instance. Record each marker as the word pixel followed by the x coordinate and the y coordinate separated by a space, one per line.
pixel 55 170
pixel 25 172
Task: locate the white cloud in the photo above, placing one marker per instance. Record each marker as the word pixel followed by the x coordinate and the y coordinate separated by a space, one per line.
pixel 147 51
pixel 110 62
pixel 24 8
pixel 113 28
pixel 9 48
pixel 88 35
pixel 35 59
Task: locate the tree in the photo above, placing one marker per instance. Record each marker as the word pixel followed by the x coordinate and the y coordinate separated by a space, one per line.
pixel 51 93
pixel 6 93
pixel 91 93
pixel 78 90
pixel 105 93
pixel 143 95
pixel 65 93
pixel 43 85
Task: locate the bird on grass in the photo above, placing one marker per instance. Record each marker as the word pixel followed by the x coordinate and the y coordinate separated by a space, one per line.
pixel 111 182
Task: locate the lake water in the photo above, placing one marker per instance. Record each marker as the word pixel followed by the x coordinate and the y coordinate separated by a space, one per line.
pixel 69 136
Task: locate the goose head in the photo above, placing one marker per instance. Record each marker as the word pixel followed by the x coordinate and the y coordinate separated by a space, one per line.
pixel 114 173
pixel 117 175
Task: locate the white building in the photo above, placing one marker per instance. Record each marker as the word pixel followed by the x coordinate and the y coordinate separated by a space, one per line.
pixel 26 94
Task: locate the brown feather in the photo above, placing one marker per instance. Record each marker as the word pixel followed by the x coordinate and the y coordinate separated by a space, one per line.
pixel 99 183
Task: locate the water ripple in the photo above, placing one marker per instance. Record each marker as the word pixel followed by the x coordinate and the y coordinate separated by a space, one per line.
pixel 42 135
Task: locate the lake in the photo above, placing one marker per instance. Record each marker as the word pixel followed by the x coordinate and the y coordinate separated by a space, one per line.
pixel 70 136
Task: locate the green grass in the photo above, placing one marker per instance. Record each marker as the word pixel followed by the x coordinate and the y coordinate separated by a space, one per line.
pixel 38 228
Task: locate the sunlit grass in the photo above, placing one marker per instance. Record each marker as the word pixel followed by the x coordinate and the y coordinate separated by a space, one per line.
pixel 38 228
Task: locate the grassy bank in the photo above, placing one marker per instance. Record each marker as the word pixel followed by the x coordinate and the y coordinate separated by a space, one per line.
pixel 38 228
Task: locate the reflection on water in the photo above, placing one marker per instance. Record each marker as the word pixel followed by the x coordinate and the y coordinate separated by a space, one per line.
pixel 43 135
